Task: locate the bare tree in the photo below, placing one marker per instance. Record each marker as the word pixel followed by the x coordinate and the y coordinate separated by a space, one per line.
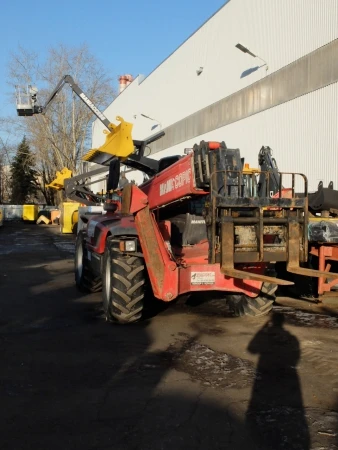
pixel 61 136
pixel 6 152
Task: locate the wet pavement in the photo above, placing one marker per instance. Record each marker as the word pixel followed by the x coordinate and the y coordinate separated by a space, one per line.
pixel 189 377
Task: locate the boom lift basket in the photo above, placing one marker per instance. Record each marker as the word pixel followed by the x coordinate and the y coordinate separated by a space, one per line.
pixel 24 100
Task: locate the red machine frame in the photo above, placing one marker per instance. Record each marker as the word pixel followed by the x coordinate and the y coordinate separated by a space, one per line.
pixel 325 253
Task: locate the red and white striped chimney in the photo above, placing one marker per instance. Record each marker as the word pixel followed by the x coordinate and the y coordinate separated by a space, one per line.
pixel 124 81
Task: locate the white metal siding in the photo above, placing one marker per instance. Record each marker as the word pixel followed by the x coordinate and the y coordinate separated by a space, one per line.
pixel 303 135
pixel 278 31
pixel 302 132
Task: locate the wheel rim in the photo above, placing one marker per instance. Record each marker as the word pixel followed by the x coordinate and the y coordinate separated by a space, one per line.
pixel 79 261
pixel 107 278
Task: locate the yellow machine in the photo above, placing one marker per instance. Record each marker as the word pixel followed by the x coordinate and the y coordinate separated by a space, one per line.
pixel 30 213
pixel 118 146
pixel 119 141
pixel 69 217
pixel 59 181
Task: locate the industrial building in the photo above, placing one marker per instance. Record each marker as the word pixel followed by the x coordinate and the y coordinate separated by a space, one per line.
pixel 278 87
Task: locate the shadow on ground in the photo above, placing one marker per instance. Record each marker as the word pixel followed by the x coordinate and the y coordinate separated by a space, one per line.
pixel 69 380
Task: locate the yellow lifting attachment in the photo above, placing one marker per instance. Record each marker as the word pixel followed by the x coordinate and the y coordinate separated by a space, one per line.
pixel 119 142
pixel 58 183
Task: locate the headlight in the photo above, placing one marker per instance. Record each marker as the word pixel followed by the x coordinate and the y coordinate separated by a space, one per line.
pixel 128 246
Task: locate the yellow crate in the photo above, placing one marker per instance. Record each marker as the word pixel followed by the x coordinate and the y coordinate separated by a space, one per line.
pixel 30 213
pixel 68 219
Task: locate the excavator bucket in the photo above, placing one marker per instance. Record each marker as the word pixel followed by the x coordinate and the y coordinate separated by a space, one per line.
pixel 59 181
pixel 119 142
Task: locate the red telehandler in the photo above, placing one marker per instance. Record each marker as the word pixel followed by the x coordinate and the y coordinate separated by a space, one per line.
pixel 202 222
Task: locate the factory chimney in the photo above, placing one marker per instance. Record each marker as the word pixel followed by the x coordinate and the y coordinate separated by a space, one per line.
pixel 124 81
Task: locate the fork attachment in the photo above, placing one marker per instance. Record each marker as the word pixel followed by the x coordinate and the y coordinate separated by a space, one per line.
pixel 249 226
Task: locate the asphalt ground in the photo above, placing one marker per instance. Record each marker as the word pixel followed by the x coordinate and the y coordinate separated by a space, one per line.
pixel 188 377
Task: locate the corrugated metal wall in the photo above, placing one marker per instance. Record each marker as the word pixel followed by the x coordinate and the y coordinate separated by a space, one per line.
pixel 314 71
pixel 303 135
pixel 280 32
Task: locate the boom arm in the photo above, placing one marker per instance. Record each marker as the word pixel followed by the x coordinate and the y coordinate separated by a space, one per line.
pixel 118 146
pixel 67 79
pixel 119 142
pixel 76 187
pixel 28 106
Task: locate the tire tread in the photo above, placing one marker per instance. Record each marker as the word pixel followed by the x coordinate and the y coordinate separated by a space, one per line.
pixel 125 304
pixel 242 305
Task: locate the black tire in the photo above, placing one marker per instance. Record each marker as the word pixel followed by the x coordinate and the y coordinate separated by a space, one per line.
pixel 84 279
pixel 242 305
pixel 123 285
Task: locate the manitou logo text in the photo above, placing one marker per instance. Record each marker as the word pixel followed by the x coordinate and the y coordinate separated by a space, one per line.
pixel 175 183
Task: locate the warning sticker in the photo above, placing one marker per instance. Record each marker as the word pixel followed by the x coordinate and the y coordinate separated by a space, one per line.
pixel 202 278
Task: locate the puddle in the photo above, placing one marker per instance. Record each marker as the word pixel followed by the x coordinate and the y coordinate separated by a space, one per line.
pixel 306 319
pixel 212 368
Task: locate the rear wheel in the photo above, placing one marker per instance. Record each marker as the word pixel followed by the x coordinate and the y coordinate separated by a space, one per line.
pixel 123 286
pixel 242 305
pixel 84 279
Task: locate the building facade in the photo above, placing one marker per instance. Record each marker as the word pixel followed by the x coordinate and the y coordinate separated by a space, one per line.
pixel 284 94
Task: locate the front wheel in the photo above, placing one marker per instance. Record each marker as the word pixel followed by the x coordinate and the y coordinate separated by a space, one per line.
pixel 123 280
pixel 242 305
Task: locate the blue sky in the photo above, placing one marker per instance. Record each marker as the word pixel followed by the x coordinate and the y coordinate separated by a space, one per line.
pixel 126 36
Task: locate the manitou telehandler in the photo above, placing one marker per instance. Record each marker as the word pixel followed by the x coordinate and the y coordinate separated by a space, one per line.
pixel 202 222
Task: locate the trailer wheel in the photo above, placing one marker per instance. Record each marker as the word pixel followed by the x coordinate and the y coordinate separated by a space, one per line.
pixel 84 279
pixel 242 305
pixel 123 285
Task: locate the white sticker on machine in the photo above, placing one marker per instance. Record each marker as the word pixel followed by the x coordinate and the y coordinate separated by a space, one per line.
pixel 202 278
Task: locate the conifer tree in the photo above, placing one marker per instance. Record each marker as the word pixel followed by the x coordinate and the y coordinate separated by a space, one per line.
pixel 23 183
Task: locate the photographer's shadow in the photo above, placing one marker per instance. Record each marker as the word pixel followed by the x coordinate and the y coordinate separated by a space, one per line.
pixel 276 417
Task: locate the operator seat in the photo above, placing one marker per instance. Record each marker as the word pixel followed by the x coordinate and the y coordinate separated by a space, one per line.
pixel 188 229
pixel 167 161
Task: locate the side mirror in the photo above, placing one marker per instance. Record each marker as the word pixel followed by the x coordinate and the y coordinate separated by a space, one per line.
pixel 114 174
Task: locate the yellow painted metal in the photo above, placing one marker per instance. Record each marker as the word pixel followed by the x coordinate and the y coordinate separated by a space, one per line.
pixel 324 219
pixel 58 183
pixel 30 213
pixel 67 216
pixel 247 170
pixel 119 142
pixel 1 215
pixel 43 219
